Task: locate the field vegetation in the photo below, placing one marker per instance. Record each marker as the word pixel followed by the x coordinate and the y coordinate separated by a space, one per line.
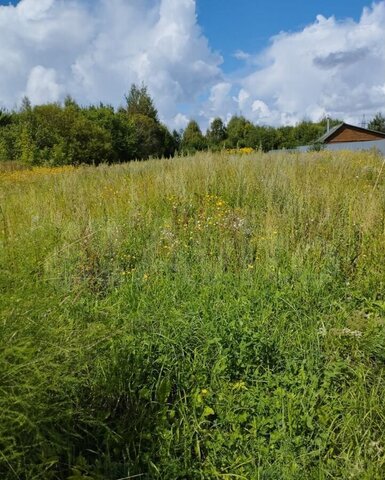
pixel 211 317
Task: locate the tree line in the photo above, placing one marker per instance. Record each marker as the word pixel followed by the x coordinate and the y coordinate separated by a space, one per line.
pixel 240 133
pixel 68 133
pixel 71 134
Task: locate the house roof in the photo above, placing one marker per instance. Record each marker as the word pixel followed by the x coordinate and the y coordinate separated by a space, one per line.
pixel 329 133
pixel 335 129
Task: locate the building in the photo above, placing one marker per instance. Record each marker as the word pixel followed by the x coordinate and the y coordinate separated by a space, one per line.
pixel 346 137
pixel 344 132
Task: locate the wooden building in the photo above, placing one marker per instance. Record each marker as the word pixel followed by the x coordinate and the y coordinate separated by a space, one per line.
pixel 350 133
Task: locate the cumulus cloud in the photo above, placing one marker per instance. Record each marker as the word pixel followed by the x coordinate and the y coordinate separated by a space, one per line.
pixel 42 85
pixel 94 51
pixel 335 59
pixel 330 67
pixel 180 121
pixel 241 55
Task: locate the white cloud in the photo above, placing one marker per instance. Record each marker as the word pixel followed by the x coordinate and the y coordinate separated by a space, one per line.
pixel 330 67
pixel 218 95
pixel 94 51
pixel 241 55
pixel 180 121
pixel 260 108
pixel 42 85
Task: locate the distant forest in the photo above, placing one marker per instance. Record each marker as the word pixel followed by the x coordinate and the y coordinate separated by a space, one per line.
pixel 62 134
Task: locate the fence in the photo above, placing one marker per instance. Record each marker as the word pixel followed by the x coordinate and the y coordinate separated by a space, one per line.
pixel 373 144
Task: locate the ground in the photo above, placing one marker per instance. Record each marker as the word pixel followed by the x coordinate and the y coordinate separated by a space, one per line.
pixel 216 316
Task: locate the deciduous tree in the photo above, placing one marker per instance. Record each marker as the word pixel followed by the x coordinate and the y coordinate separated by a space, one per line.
pixel 193 139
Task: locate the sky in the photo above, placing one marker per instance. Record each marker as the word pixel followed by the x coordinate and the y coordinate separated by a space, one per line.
pixel 274 62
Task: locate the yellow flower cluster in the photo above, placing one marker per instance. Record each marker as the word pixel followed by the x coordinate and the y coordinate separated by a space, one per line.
pixel 240 151
pixel 33 173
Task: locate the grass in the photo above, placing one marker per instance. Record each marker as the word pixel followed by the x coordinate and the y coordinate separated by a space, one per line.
pixel 212 317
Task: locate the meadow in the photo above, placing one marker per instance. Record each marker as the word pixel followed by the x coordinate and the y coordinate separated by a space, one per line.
pixel 220 316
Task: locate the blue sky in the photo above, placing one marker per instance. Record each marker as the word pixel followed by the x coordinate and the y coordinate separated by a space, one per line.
pixel 248 25
pixel 274 62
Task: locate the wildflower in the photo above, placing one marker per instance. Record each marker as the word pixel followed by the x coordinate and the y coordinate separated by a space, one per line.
pixel 34 173
pixel 204 392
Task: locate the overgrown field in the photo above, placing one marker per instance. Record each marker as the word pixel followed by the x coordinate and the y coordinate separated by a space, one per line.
pixel 212 317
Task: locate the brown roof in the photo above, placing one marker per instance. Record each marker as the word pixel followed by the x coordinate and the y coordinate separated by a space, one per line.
pixel 333 132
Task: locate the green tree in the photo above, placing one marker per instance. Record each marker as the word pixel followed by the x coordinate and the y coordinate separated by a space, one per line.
pixel 26 105
pixel 87 142
pixel 269 139
pixel 24 144
pixel 216 133
pixel 117 126
pixel 333 122
pixel 377 123
pixel 5 118
pixel 148 135
pixel 285 137
pixel 70 102
pixel 27 148
pixel 193 139
pixel 65 135
pixel 170 143
pixel 177 136
pixel 306 132
pixel 7 136
pixel 139 102
pixel 238 130
pixel 124 139
pixel 52 129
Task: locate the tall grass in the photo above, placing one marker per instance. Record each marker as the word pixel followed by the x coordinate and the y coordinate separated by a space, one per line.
pixel 210 317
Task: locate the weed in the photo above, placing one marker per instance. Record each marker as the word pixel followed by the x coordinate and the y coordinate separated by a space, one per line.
pixel 217 316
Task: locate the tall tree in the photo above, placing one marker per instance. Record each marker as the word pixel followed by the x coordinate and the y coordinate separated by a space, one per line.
pixel 238 130
pixel 7 135
pixel 70 102
pixel 26 105
pixel 216 133
pixel 377 123
pixel 148 137
pixel 307 132
pixel 139 102
pixel 193 139
pixel 177 137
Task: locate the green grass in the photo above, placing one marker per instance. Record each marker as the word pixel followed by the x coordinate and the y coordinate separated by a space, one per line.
pixel 211 317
